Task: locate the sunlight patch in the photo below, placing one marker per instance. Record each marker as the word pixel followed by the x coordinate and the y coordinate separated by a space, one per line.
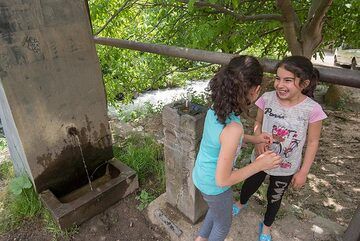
pixel 355 189
pixel 331 203
pixel 339 173
pixel 317 229
pixel 342 182
pixel 316 182
pixel 323 168
pixel 335 159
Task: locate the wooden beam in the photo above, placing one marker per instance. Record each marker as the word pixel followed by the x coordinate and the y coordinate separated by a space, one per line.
pixel 327 74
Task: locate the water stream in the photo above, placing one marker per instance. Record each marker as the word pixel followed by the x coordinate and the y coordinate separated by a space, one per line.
pixel 83 160
pixel 162 97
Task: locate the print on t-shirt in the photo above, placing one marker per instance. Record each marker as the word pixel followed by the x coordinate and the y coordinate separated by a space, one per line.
pixel 285 142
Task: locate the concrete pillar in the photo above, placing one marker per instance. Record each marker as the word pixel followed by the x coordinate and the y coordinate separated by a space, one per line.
pixel 183 132
pixel 50 81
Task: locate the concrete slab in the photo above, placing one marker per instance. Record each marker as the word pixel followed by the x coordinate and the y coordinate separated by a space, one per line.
pixel 292 226
pixel 82 204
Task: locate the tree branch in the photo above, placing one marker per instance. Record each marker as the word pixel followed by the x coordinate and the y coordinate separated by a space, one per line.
pixel 114 16
pixel 257 37
pixel 290 26
pixel 181 71
pixel 311 32
pixel 172 27
pixel 160 21
pixel 240 17
pixel 317 13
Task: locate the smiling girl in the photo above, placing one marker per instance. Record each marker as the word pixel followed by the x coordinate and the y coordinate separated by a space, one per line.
pixel 291 117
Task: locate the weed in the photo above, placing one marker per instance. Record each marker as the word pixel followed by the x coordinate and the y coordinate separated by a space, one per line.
pixel 54 228
pixel 18 203
pixel 145 199
pixel 143 154
pixel 6 170
pixel 3 143
pixel 197 98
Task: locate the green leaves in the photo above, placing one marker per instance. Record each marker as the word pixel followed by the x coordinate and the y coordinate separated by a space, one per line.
pixel 145 199
pixel 213 25
pixel 18 184
pixel 235 3
pixel 191 5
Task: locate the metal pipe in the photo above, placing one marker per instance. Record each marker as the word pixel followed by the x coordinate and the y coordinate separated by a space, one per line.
pixel 327 74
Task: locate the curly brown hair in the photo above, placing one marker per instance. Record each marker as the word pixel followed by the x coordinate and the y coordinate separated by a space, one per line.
pixel 230 86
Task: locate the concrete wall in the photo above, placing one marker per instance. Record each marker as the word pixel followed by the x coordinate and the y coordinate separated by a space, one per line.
pixel 50 81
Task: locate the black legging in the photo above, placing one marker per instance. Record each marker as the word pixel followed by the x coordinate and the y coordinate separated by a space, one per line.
pixel 275 192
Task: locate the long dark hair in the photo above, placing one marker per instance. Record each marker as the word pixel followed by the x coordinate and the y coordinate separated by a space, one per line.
pixel 230 86
pixel 302 68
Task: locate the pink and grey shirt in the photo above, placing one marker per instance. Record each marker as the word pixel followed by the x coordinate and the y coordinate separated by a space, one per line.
pixel 288 126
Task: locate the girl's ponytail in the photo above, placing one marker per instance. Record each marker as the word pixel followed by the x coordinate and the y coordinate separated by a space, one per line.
pixel 309 90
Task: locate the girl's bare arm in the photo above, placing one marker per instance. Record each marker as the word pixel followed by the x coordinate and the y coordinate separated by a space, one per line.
pixel 313 138
pixel 230 139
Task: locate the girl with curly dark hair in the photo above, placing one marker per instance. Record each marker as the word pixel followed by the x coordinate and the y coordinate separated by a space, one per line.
pixel 233 89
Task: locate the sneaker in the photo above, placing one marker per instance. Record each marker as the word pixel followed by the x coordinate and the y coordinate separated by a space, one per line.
pixel 262 236
pixel 236 210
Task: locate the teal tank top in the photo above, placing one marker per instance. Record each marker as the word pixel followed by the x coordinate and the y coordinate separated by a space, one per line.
pixel 203 174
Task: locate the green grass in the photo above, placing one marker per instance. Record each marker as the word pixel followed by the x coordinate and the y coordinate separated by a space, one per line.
pixel 53 228
pixel 18 202
pixel 6 170
pixel 143 154
pixel 3 143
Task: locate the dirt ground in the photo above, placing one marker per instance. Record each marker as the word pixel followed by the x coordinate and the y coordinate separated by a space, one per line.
pixel 333 186
pixel 121 222
pixel 332 190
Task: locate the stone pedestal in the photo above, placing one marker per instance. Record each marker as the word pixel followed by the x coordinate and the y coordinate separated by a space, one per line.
pixel 183 132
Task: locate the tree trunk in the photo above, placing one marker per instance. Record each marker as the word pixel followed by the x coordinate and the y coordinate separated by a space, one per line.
pixel 303 40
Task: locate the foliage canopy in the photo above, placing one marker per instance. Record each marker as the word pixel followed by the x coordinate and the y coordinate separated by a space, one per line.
pixel 262 28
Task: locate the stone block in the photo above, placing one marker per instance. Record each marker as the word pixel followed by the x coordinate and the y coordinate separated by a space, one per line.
pixel 82 204
pixel 182 131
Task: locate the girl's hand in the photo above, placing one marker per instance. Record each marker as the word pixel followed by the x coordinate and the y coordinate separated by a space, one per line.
pixel 268 160
pixel 265 138
pixel 260 149
pixel 263 141
pixel 299 180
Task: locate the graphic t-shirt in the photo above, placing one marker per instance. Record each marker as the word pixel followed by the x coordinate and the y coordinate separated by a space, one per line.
pixel 288 126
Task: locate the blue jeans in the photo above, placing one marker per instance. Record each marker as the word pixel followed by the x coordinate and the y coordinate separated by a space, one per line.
pixel 217 222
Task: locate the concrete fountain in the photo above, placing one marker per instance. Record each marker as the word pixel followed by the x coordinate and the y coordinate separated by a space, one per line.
pixel 53 109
